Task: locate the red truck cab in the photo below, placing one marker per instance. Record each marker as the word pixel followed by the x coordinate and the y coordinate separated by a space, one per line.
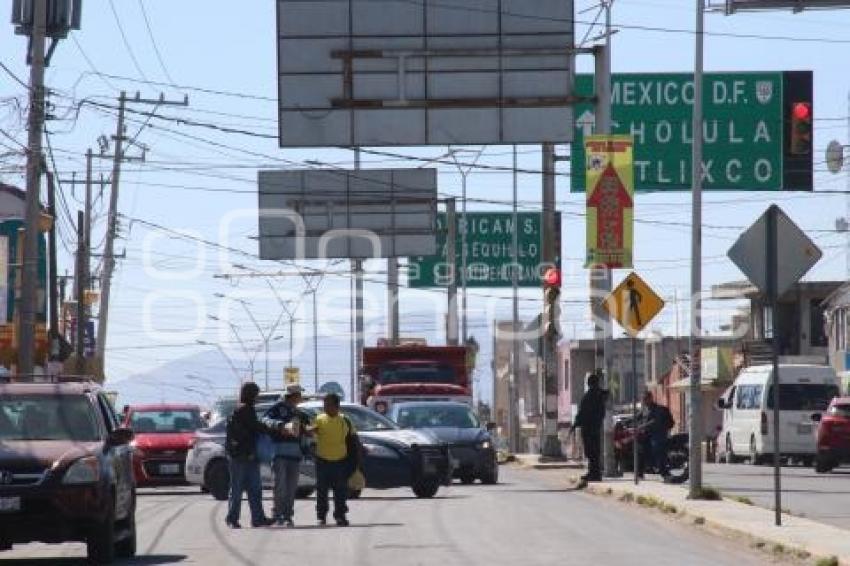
pixel 394 374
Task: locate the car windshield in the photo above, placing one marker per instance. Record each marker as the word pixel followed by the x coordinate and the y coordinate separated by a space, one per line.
pixel 842 410
pixel 803 396
pixel 436 416
pixel 45 417
pixel 363 419
pixel 166 421
pixel 416 373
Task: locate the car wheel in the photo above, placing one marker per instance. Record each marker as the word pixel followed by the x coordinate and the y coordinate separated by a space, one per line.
pixel 490 477
pixel 823 465
pixel 354 493
pixel 426 489
pixel 126 547
pixel 218 479
pixel 100 543
pixel 467 478
pixel 304 492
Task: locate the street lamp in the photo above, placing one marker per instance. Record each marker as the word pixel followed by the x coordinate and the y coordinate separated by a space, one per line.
pixel 235 330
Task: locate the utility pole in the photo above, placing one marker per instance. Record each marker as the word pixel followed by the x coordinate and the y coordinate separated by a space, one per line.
pixel 513 401
pixel 550 446
pixel 357 268
pixel 80 292
pixel 392 300
pixel 29 274
pixel 112 217
pixel 696 430
pixel 600 277
pixel 451 266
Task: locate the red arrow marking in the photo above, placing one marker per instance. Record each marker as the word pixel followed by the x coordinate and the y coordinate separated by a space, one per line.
pixel 610 198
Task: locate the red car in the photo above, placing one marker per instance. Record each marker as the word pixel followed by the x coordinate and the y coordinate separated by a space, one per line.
pixel 834 436
pixel 163 435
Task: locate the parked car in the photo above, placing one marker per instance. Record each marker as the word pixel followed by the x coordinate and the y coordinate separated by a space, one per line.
pixel 65 470
pixel 206 466
pixel 805 392
pixel 394 457
pixel 163 436
pixel 455 424
pixel 834 436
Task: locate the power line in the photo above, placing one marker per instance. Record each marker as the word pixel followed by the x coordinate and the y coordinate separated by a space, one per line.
pixel 153 42
pixel 126 41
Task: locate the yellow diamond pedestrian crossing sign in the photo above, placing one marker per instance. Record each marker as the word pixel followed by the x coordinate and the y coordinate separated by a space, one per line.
pixel 633 304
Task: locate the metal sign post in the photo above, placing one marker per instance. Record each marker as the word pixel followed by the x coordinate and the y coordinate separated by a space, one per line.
pixel 756 253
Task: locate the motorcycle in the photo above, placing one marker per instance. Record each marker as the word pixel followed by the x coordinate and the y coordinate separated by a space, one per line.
pixel 677 452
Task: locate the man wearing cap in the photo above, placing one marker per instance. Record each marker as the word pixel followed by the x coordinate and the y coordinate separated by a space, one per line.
pixel 289 424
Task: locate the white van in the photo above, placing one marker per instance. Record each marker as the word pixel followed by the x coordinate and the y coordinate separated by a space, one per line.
pixel 805 390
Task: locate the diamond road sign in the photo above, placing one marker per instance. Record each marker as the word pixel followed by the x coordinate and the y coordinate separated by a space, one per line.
pixel 796 253
pixel 745 129
pixel 489 245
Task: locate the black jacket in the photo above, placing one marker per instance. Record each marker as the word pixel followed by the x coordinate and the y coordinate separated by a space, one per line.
pixel 658 420
pixel 591 410
pixel 243 428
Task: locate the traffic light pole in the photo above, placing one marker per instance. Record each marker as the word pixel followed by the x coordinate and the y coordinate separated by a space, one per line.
pixel 550 445
pixel 451 265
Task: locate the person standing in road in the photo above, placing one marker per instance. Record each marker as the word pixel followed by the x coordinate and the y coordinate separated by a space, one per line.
pixel 657 421
pixel 289 425
pixel 333 465
pixel 243 428
pixel 590 417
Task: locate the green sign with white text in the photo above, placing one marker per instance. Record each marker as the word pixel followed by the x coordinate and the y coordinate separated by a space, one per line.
pixel 744 128
pixel 489 252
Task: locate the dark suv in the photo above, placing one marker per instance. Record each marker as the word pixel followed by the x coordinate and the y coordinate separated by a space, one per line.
pixel 65 470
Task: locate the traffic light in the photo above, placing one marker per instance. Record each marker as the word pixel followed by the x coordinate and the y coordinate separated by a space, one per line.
pixel 801 128
pixel 551 306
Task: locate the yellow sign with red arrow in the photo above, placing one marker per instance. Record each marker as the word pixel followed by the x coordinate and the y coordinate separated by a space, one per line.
pixel 610 200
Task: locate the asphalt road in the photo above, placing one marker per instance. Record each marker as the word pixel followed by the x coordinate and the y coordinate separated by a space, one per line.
pixel 530 519
pixel 823 497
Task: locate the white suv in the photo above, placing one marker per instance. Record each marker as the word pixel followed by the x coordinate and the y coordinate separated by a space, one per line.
pixel 206 466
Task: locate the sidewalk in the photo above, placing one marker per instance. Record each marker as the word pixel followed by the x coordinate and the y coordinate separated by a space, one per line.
pixel 795 534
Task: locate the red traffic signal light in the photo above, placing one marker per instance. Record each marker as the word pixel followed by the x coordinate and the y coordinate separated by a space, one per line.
pixel 801 128
pixel 552 277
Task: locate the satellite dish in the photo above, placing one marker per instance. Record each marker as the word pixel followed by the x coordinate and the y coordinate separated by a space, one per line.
pixel 834 156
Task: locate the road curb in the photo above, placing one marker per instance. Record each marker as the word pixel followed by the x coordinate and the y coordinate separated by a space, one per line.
pixel 800 538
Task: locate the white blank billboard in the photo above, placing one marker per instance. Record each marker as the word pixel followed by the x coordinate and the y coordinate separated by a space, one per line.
pixel 424 72
pixel 336 213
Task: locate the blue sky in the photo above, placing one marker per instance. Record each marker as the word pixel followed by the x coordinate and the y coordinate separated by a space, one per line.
pixel 194 178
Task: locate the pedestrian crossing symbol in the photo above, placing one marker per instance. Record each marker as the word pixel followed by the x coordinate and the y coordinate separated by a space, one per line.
pixel 633 304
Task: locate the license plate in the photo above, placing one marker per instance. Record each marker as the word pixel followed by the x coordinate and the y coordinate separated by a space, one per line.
pixel 804 429
pixel 169 469
pixel 10 504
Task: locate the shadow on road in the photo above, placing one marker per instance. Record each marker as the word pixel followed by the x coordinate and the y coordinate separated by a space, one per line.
pixel 149 560
pixel 170 493
pixel 330 527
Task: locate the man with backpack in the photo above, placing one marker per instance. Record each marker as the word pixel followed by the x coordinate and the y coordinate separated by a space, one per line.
pixel 289 425
pixel 337 457
pixel 243 429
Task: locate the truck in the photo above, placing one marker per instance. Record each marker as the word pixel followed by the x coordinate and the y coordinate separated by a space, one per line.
pixel 414 372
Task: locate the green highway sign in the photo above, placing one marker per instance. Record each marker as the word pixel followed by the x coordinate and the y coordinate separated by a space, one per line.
pixel 745 127
pixel 489 251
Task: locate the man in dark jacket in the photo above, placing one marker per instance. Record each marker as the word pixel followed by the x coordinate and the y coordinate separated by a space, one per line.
pixel 243 428
pixel 590 417
pixel 289 424
pixel 657 421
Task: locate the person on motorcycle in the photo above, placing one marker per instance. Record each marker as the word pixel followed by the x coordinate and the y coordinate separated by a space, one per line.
pixel 656 421
pixel 591 414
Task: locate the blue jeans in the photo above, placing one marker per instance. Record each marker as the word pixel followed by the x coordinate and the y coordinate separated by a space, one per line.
pixel 658 446
pixel 245 477
pixel 332 476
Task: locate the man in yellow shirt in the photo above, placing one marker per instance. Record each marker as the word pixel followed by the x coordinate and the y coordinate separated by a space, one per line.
pixel 333 466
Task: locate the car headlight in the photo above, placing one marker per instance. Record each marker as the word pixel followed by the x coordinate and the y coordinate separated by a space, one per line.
pixel 485 445
pixel 84 470
pixel 378 451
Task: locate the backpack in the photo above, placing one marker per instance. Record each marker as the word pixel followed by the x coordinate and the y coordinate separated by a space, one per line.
pixel 352 446
pixel 238 442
